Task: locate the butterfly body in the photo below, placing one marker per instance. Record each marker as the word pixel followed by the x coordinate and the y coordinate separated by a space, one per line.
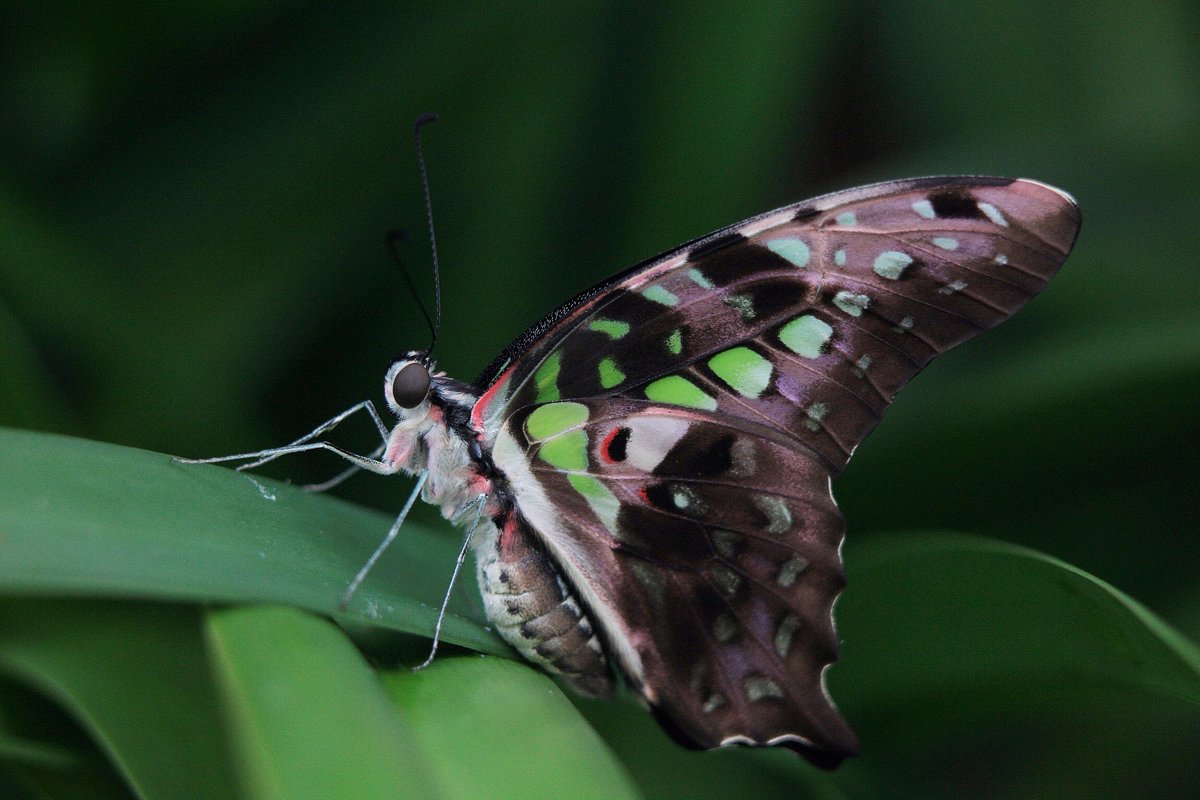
pixel 525 595
pixel 651 464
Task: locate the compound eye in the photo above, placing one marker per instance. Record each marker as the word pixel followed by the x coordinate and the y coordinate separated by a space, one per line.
pixel 410 385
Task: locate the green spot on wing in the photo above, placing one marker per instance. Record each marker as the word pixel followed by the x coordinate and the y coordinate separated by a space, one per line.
pixel 847 218
pixel 553 418
pixel 567 451
pixel 555 425
pixel 589 487
pixel 614 328
pixel 945 242
pixel 546 378
pixel 610 375
pixel 806 336
pixel 675 342
pixel 659 295
pixel 815 413
pixel 793 249
pixel 890 264
pixel 924 208
pixel 745 371
pixel 853 304
pixel 699 279
pixel 679 391
pixel 603 503
pixel 743 304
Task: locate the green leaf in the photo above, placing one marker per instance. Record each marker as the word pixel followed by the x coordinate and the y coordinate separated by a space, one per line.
pixel 131 674
pixel 494 728
pixel 82 517
pixel 310 719
pixel 938 614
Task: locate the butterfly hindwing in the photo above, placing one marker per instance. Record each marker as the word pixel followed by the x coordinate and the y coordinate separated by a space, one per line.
pixel 720 558
pixel 670 435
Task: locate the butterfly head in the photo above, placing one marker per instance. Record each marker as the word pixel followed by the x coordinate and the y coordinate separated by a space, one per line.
pixel 407 383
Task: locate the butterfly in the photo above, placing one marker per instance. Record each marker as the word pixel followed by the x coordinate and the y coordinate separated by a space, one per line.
pixel 649 467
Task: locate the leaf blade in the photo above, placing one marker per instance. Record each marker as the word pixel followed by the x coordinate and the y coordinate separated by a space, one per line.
pixel 85 517
pixel 939 611
pixel 309 717
pixel 544 747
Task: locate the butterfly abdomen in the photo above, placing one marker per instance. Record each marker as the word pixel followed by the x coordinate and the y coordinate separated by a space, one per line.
pixel 534 610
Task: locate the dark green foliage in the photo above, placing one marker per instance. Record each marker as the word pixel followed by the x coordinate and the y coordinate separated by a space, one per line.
pixel 193 204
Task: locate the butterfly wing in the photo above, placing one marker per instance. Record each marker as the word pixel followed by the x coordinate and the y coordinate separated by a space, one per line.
pixel 707 548
pixel 670 435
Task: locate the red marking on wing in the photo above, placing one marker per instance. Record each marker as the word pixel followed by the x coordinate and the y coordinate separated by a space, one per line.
pixel 481 405
pixel 605 456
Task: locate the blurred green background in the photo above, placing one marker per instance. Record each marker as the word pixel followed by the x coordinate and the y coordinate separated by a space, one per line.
pixel 194 198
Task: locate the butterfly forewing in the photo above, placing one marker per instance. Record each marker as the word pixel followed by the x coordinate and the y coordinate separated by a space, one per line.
pixel 671 435
pixel 847 297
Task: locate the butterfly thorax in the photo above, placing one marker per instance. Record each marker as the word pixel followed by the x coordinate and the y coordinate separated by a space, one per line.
pixel 436 436
pixel 526 597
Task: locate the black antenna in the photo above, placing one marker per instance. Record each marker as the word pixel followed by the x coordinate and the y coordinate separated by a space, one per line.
pixel 394 238
pixel 423 120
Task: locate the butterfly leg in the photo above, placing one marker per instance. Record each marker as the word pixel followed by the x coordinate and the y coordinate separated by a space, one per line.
pixel 324 427
pixel 462 556
pixel 305 443
pixel 343 475
pixel 263 456
pixel 361 575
